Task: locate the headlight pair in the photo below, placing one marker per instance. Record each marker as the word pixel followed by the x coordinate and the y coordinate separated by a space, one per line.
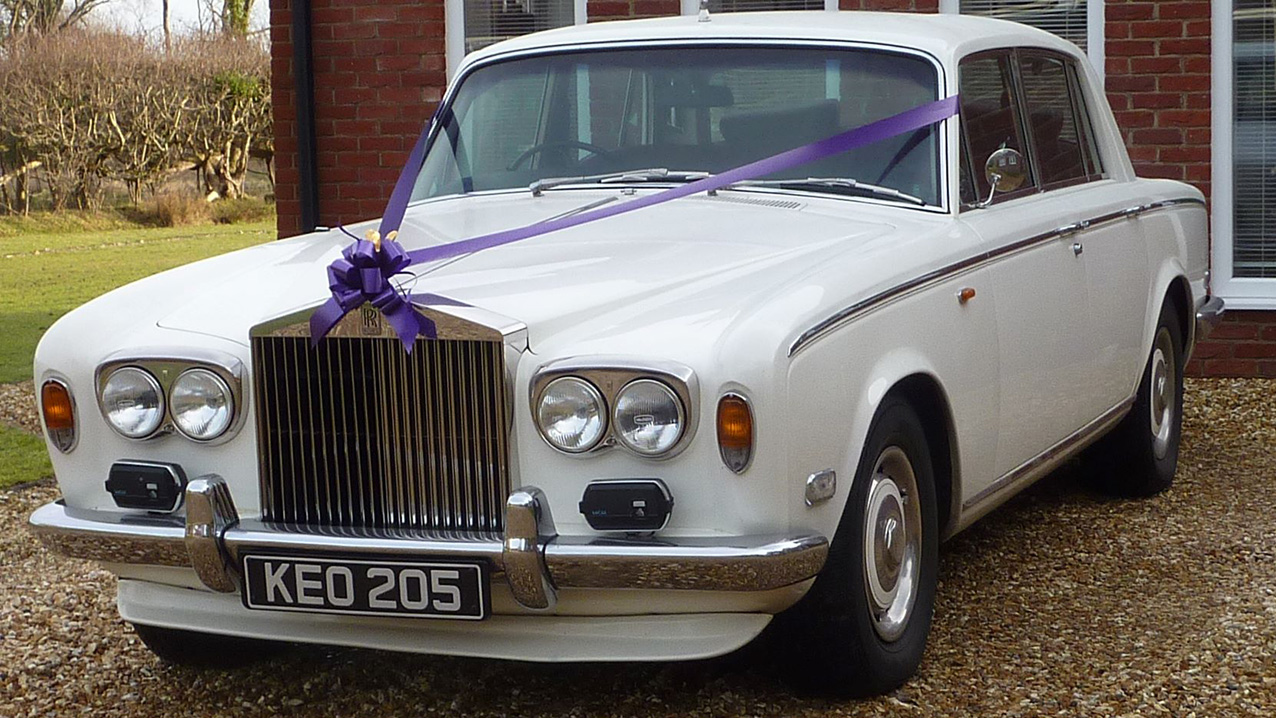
pixel 647 416
pixel 199 402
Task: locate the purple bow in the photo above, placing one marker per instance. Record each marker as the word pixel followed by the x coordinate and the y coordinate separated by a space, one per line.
pixel 363 275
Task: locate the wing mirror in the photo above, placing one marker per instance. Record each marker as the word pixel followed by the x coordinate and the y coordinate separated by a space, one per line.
pixel 1005 171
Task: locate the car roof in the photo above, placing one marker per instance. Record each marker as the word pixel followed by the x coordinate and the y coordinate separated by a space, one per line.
pixel 946 37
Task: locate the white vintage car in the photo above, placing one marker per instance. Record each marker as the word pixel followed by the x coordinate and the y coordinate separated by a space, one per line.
pixel 646 436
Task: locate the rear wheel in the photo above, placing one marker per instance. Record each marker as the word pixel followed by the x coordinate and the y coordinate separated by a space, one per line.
pixel 862 629
pixel 204 650
pixel 1140 456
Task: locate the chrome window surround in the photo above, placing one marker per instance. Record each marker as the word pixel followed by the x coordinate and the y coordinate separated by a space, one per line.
pixel 828 324
pixel 941 79
pixel 609 375
pixel 55 378
pixel 1083 117
pixel 168 364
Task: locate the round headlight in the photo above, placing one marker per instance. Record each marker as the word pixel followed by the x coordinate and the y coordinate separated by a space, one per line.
pixel 133 402
pixel 649 418
pixel 572 415
pixel 201 405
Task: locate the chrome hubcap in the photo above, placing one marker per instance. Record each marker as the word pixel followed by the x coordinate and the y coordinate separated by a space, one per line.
pixel 1162 390
pixel 892 543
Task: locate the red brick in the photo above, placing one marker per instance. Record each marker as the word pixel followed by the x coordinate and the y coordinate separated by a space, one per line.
pixel 1188 46
pixel 1157 136
pixel 1234 330
pixel 1267 368
pixel 1183 118
pixel 1128 11
pixel 1183 83
pixel 1155 65
pixel 1156 101
pixel 1157 30
pixel 1184 154
pixel 1132 83
pixel 1230 367
pixel 1212 350
pixel 1183 9
pixel 1131 48
pixel 1255 350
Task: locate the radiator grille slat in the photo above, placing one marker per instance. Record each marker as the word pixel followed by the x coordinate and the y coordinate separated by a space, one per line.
pixel 356 433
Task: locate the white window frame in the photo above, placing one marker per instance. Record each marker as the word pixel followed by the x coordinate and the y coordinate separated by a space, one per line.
pixel 454 30
pixel 1237 292
pixel 1095 20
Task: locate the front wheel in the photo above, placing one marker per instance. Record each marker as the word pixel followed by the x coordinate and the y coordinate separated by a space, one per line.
pixel 862 629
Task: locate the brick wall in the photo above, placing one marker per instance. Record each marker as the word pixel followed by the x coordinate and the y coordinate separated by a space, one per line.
pixel 1243 345
pixel 379 70
pixel 1158 83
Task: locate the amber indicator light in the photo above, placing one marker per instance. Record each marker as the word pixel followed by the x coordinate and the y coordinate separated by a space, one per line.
pixel 55 402
pixel 735 423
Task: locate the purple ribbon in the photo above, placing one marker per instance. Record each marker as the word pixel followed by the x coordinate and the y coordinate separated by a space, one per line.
pixel 363 274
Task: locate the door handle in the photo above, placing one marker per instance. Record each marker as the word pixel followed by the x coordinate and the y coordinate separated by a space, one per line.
pixel 1077 249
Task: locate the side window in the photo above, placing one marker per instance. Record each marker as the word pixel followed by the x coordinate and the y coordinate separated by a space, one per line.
pixel 989 118
pixel 1059 143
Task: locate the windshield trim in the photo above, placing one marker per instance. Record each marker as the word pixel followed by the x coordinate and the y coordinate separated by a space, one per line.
pixel 941 83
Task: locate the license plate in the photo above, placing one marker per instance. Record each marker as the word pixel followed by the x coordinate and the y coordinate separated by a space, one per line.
pixel 366 587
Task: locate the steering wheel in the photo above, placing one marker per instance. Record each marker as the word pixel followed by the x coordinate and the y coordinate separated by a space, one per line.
pixel 557 144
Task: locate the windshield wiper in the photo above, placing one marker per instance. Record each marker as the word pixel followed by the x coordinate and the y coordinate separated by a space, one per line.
pixel 839 183
pixel 654 174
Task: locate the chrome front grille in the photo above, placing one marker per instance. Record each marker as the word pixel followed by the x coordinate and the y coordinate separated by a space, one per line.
pixel 358 433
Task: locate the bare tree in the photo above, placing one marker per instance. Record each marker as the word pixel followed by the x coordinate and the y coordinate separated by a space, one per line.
pixel 43 16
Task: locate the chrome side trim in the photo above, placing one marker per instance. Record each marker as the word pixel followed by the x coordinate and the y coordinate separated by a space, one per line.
pixel 1023 476
pixel 209 513
pixel 528 527
pixel 1208 316
pixel 971 263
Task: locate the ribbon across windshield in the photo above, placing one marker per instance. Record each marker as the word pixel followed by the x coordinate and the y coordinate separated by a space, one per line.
pixel 365 271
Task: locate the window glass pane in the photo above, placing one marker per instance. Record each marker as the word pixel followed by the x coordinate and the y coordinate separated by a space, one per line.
pixel 1254 139
pixel 490 21
pixel 1065 18
pixel 757 5
pixel 718 108
pixel 988 114
pixel 1054 127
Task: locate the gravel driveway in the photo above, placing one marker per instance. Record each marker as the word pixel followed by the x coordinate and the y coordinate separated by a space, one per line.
pixel 1061 603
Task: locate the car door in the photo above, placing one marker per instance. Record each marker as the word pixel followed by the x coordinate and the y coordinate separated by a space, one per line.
pixel 1113 245
pixel 1038 277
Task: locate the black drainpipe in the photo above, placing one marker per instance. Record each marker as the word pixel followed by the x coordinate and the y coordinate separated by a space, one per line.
pixel 304 93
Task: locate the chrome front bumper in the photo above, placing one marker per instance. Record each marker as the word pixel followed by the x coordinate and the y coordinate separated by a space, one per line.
pixel 1208 316
pixel 530 557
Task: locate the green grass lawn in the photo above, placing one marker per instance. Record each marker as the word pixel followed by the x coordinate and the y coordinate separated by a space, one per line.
pixel 48 273
pixel 23 457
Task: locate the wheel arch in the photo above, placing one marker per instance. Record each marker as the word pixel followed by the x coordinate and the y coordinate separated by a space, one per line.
pixel 1179 294
pixel 926 395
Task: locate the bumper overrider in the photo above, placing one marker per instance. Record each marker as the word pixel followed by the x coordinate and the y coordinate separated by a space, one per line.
pixel 530 557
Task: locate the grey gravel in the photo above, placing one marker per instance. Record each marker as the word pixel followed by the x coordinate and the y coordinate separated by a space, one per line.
pixel 1062 603
pixel 18 406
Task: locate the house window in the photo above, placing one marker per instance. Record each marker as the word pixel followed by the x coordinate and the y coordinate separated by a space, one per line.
pixel 475 24
pixel 1243 166
pixel 1077 21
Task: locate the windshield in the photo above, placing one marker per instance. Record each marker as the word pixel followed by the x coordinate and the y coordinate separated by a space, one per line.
pixel 682 109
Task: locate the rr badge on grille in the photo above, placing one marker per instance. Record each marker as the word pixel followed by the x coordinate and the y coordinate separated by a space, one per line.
pixel 371 321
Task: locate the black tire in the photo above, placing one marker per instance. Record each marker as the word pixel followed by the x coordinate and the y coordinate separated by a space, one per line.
pixel 1135 460
pixel 833 639
pixel 204 650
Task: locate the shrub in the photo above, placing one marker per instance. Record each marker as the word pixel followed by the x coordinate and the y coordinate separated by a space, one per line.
pixel 176 209
pixel 243 209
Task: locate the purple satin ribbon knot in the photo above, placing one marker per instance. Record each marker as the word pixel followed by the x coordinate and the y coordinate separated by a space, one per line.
pixel 363 274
